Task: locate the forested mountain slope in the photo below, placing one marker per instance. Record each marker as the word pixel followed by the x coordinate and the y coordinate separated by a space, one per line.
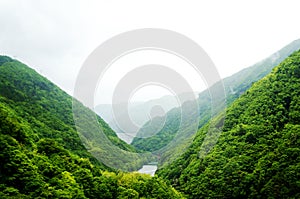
pixel 234 86
pixel 42 155
pixel 257 154
pixel 45 107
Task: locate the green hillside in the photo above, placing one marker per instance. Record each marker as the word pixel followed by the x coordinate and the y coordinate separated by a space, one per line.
pixel 163 136
pixel 234 85
pixel 42 155
pixel 45 107
pixel 257 154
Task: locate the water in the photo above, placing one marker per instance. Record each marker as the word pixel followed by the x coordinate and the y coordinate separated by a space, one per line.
pixel 148 169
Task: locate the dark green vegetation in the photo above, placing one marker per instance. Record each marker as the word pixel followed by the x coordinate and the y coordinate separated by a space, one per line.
pixel 234 86
pixel 45 107
pixel 257 154
pixel 42 155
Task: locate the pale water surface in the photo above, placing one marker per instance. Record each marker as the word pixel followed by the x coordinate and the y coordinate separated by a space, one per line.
pixel 148 169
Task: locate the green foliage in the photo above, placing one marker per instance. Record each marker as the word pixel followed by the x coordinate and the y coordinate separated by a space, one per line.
pixel 234 86
pixel 103 143
pixel 4 59
pixel 49 112
pixel 163 137
pixel 42 155
pixel 257 154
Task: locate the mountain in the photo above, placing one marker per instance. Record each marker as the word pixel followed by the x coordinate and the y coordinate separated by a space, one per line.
pixel 234 86
pixel 48 109
pixel 43 153
pixel 257 154
pixel 139 113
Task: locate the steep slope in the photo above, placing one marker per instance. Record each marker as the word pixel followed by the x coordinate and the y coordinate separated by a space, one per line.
pixel 234 86
pixel 155 142
pixel 42 155
pixel 257 154
pixel 46 107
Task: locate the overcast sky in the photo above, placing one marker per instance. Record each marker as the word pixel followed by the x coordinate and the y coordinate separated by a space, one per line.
pixel 55 37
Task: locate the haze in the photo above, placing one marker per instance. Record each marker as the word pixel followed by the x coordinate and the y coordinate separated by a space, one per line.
pixel 55 37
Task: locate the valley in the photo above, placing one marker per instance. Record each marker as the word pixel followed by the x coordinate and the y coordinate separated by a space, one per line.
pixel 50 148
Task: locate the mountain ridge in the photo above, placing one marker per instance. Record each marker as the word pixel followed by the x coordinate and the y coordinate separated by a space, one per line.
pixel 235 85
pixel 42 154
pixel 257 154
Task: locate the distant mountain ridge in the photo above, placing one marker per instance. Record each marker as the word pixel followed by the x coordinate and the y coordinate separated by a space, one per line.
pixel 234 85
pixel 138 111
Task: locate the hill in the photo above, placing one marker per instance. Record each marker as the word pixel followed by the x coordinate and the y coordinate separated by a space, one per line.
pixel 257 154
pixel 234 86
pixel 42 155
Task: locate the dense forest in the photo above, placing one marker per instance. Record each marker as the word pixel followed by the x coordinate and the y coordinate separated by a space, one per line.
pixel 42 155
pixel 257 154
pixel 234 86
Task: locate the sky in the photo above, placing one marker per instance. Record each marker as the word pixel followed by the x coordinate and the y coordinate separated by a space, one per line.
pixel 55 37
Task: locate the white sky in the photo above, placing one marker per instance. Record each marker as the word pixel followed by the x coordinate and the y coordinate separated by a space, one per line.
pixel 55 37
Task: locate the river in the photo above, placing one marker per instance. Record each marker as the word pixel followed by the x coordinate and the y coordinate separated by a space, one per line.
pixel 148 169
